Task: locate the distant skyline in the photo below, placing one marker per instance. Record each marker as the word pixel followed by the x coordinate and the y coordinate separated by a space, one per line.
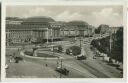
pixel 94 15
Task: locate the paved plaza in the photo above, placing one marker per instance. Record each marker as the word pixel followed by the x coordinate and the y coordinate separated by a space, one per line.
pixel 37 68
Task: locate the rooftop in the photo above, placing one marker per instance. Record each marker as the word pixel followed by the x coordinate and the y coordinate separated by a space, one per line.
pixel 39 19
pixel 25 27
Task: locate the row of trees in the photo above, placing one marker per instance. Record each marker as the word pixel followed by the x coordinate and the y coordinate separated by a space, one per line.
pixel 101 29
pixel 115 51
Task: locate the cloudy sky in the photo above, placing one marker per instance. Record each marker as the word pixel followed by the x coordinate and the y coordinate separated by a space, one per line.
pixel 95 15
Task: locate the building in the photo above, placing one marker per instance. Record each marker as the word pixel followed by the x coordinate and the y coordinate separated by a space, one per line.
pixel 30 30
pixel 80 28
pixel 14 20
pixel 25 34
pixel 43 29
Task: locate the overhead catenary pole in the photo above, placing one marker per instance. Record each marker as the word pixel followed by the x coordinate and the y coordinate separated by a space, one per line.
pixel 47 35
pixel 52 41
pixel 110 41
pixel 80 41
pixel 61 63
pixel 87 30
pixel 58 62
pixel 61 68
pixel 52 36
pixel 75 34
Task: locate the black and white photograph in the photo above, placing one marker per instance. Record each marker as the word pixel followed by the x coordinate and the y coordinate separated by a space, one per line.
pixel 0 41
pixel 64 41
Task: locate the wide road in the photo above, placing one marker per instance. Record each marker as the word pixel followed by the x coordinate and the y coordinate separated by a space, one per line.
pixel 90 68
pixel 78 69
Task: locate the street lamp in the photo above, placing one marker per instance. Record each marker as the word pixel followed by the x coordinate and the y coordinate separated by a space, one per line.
pixel 61 68
pixel 47 35
pixel 80 41
pixel 52 42
pixel 110 41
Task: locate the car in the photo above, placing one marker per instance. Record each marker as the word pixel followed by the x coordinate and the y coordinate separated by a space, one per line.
pixel 81 57
pixel 62 70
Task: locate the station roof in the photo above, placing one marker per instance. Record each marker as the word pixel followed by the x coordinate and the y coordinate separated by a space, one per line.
pixel 14 19
pixel 24 27
pixel 77 22
pixel 44 22
pixel 39 19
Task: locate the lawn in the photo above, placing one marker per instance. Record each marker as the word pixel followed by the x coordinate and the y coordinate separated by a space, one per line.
pixel 45 55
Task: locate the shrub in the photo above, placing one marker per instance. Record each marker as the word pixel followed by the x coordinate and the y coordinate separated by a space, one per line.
pixel 28 53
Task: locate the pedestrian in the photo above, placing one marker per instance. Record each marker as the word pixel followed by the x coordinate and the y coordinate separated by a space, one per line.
pixel 46 65
pixel 13 55
pixel 10 58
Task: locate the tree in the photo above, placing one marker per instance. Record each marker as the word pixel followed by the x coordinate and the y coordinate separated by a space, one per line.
pixel 97 31
pixel 101 29
pixel 117 49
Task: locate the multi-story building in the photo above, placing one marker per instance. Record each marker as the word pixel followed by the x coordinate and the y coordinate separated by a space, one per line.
pixel 80 28
pixel 28 31
pixel 25 34
pixel 43 29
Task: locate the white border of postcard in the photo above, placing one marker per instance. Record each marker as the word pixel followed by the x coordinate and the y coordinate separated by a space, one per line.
pixel 56 80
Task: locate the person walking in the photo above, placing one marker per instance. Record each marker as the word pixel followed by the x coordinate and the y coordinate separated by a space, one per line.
pixel 46 64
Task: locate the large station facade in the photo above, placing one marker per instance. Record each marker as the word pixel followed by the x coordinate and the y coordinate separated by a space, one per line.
pixel 43 29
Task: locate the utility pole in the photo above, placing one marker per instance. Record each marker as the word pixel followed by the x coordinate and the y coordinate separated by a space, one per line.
pixel 61 63
pixel 52 42
pixel 61 68
pixel 110 41
pixel 75 34
pixel 80 41
pixel 58 62
pixel 47 35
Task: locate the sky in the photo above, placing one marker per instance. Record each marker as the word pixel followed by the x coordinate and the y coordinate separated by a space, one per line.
pixel 94 15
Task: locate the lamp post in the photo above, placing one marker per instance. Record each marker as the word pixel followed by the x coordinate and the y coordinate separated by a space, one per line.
pixel 52 41
pixel 80 41
pixel 59 64
pixel 110 41
pixel 47 35
pixel 61 68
